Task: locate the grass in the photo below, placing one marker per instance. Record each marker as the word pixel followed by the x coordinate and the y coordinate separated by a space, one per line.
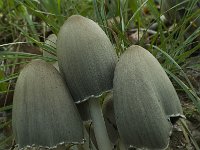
pixel 29 22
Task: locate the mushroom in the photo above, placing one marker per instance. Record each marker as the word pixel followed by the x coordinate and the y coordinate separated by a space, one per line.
pixel 144 100
pixel 109 116
pixel 44 113
pixel 87 59
pixel 51 42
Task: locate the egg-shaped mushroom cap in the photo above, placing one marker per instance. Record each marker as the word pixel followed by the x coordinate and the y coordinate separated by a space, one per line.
pixel 86 57
pixel 44 113
pixel 164 88
pixel 109 118
pixel 139 104
pixel 167 95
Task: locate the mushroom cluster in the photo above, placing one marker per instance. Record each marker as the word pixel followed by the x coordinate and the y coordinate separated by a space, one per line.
pixel 130 102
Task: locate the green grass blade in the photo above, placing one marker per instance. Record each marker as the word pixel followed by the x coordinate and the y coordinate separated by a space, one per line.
pixel 6 108
pixel 195 99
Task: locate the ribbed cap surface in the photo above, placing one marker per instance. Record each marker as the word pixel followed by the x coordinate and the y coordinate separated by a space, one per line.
pixel 143 99
pixel 86 57
pixel 44 113
pixel 51 42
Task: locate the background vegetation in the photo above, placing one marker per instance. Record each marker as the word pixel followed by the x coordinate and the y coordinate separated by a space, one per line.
pixel 25 24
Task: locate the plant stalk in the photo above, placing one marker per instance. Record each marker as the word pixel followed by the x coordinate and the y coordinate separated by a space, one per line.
pixel 100 131
pixel 88 144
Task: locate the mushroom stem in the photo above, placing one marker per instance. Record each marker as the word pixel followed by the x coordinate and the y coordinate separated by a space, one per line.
pixel 100 131
pixel 89 144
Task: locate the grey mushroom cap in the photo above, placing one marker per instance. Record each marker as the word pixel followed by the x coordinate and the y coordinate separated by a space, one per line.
pixel 51 42
pixel 139 107
pixel 86 57
pixel 162 85
pixel 166 93
pixel 109 118
pixel 44 113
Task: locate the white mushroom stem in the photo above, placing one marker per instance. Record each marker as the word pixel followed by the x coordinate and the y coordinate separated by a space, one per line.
pixel 88 144
pixel 100 131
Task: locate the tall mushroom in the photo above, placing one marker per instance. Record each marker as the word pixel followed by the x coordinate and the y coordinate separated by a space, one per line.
pixel 87 59
pixel 144 99
pixel 44 113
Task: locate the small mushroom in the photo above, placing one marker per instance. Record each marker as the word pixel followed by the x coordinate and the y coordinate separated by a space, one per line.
pixel 44 113
pixel 87 59
pixel 144 100
pixel 51 42
pixel 109 116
